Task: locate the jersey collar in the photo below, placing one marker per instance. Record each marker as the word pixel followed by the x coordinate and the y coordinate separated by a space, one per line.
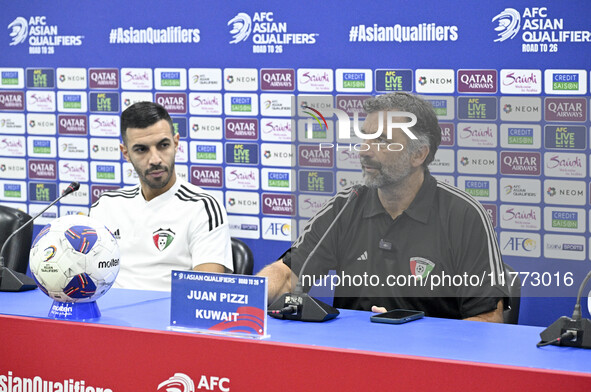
pixel 166 195
pixel 419 209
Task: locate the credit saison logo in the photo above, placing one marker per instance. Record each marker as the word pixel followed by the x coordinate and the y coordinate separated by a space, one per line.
pixel 42 37
pixel 520 135
pixel 241 104
pixel 12 191
pixel 11 77
pixel 565 219
pixel 105 172
pixel 477 188
pixel 344 129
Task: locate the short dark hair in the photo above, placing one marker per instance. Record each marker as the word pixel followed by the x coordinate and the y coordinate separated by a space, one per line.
pixel 427 126
pixel 142 115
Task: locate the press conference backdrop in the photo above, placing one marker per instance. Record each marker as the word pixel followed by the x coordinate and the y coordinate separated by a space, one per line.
pixel 509 82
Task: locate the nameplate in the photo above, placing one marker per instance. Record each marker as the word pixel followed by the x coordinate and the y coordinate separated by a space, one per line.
pixel 219 303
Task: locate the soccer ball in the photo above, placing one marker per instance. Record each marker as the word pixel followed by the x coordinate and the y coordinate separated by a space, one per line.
pixel 74 259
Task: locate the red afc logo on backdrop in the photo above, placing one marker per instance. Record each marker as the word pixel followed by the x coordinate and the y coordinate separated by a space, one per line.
pixel 180 382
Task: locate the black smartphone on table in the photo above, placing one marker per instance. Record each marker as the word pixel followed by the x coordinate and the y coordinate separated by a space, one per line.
pixel 397 316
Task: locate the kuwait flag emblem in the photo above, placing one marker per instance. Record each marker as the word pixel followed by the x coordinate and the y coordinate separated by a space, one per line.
pixel 421 267
pixel 162 238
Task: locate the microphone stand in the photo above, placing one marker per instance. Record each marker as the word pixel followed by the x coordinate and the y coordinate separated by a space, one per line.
pixel 298 305
pixel 15 281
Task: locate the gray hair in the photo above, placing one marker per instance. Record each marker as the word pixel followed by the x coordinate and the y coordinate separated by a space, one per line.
pixel 426 129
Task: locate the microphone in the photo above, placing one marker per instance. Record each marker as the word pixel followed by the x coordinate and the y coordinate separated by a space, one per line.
pixel 572 331
pixel 16 281
pixel 298 305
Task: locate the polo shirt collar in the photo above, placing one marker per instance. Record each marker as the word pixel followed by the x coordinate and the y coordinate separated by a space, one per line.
pixel 419 209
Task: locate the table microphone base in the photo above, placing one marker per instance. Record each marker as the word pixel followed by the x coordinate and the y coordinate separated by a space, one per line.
pixel 15 281
pixel 306 308
pixel 565 324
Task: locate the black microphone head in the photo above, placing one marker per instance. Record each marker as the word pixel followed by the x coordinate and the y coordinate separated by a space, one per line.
pixel 355 191
pixel 73 187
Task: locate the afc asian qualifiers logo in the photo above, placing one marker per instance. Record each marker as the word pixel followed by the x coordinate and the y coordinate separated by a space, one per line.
pixel 19 31
pixel 180 382
pixel 241 27
pixel 509 24
pixel 162 238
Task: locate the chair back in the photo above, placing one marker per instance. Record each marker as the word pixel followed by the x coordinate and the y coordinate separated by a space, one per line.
pixel 243 258
pixel 511 315
pixel 16 256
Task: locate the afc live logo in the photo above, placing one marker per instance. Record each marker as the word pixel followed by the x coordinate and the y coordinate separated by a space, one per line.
pixel 242 153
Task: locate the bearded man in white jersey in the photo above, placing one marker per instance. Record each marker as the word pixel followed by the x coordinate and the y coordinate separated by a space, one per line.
pixel 164 223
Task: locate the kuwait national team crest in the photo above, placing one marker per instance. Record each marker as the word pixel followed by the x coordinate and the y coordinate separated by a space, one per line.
pixel 162 238
pixel 421 267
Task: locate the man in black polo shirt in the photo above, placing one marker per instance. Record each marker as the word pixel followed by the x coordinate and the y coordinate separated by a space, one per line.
pixel 405 240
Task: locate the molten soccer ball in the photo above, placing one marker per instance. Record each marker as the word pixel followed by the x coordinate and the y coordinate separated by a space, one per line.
pixel 74 259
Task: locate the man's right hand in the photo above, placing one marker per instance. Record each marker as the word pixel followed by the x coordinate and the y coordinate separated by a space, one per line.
pixel 279 277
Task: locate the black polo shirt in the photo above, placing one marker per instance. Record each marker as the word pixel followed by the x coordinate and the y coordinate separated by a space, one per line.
pixel 444 238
